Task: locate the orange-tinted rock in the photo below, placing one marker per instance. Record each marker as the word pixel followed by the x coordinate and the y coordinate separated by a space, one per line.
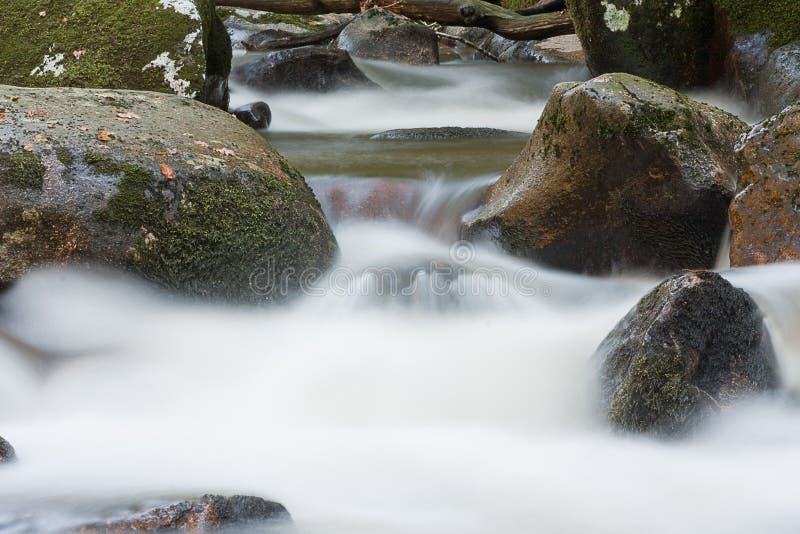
pixel 621 174
pixel 765 215
pixel 371 198
pixel 212 513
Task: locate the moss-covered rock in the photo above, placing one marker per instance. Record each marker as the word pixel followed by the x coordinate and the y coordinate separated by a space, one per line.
pixel 691 347
pixel 667 41
pixel 621 174
pixel 177 46
pixel 765 215
pixel 7 453
pixel 777 18
pixel 180 193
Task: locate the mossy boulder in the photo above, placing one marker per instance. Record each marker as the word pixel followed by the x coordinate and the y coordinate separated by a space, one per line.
pixel 181 193
pixel 693 346
pixel 777 19
pixel 667 41
pixel 7 453
pixel 176 46
pixel 210 513
pixel 382 35
pixel 765 215
pixel 621 174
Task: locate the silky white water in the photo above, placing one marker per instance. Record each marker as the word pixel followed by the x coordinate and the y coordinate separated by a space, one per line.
pixel 454 409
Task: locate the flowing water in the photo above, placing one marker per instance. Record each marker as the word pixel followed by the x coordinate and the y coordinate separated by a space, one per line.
pixel 456 397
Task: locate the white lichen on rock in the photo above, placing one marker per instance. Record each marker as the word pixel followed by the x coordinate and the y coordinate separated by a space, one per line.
pixel 50 65
pixel 184 7
pixel 617 19
pixel 171 70
pixel 190 39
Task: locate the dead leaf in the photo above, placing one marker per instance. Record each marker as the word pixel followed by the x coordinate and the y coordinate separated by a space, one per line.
pixel 28 148
pixel 126 115
pixel 83 128
pixel 225 151
pixel 104 136
pixel 2 117
pixel 42 13
pixel 166 170
pixel 51 125
pixel 32 114
pixel 40 138
pixel 201 143
pixel 78 53
pixel 172 151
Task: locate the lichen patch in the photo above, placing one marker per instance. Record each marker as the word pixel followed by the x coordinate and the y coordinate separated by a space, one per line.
pixel 616 19
pixel 171 70
pixel 184 7
pixel 51 64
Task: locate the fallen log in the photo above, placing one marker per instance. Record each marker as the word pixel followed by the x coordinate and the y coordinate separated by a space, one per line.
pixel 255 43
pixel 478 13
pixel 544 6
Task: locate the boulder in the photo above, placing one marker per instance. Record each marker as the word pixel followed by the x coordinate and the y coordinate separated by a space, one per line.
pixel 7 453
pixel 446 133
pixel 382 35
pixel 171 189
pixel 211 513
pixel 667 41
pixel 308 68
pixel 245 25
pixel 765 214
pixel 175 46
pixel 256 115
pixel 621 174
pixel 691 347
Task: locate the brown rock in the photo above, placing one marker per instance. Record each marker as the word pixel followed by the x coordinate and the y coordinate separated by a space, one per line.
pixel 620 174
pixel 765 221
pixel 211 513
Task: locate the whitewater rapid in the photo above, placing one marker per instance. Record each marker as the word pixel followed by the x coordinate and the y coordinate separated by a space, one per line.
pixel 443 412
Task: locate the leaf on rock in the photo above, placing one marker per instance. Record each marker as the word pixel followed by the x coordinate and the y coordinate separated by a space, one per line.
pixel 225 151
pixel 167 171
pixel 78 53
pixel 104 136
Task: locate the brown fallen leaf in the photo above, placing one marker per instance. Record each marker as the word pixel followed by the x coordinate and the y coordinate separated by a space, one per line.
pixel 2 117
pixel 83 128
pixel 32 114
pixel 126 115
pixel 167 171
pixel 78 53
pixel 28 148
pixel 42 13
pixel 40 138
pixel 51 125
pixel 104 136
pixel 201 143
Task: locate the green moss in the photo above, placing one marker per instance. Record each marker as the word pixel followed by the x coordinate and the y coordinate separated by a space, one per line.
pixel 780 17
pixel 516 5
pixel 117 40
pixel 307 22
pixel 22 169
pixel 655 397
pixel 65 156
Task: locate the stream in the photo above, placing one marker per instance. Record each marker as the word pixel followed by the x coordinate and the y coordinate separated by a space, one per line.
pixel 424 386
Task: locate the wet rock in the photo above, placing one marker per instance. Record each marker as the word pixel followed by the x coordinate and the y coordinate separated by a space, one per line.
pixel 211 513
pixel 175 191
pixel 308 68
pixel 667 41
pixel 560 49
pixel 7 453
pixel 256 115
pixel 692 347
pixel 621 174
pixel 446 133
pixel 382 35
pixel 171 46
pixel 765 215
pixel 370 199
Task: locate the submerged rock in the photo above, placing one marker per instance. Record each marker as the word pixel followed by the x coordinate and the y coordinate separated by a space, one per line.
pixel 691 347
pixel 171 46
pixel 173 190
pixel 765 215
pixel 446 133
pixel 621 174
pixel 667 41
pixel 256 115
pixel 211 513
pixel 382 35
pixel 7 453
pixel 308 68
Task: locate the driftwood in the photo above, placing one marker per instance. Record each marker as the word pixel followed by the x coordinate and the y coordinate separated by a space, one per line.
pixel 294 41
pixel 509 24
pixel 544 6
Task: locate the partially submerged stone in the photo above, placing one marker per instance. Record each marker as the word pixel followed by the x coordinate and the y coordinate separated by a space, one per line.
pixel 308 68
pixel 382 35
pixel 7 453
pixel 176 191
pixel 621 174
pixel 211 513
pixel 256 115
pixel 176 46
pixel 765 215
pixel 693 346
pixel 446 133
pixel 667 41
